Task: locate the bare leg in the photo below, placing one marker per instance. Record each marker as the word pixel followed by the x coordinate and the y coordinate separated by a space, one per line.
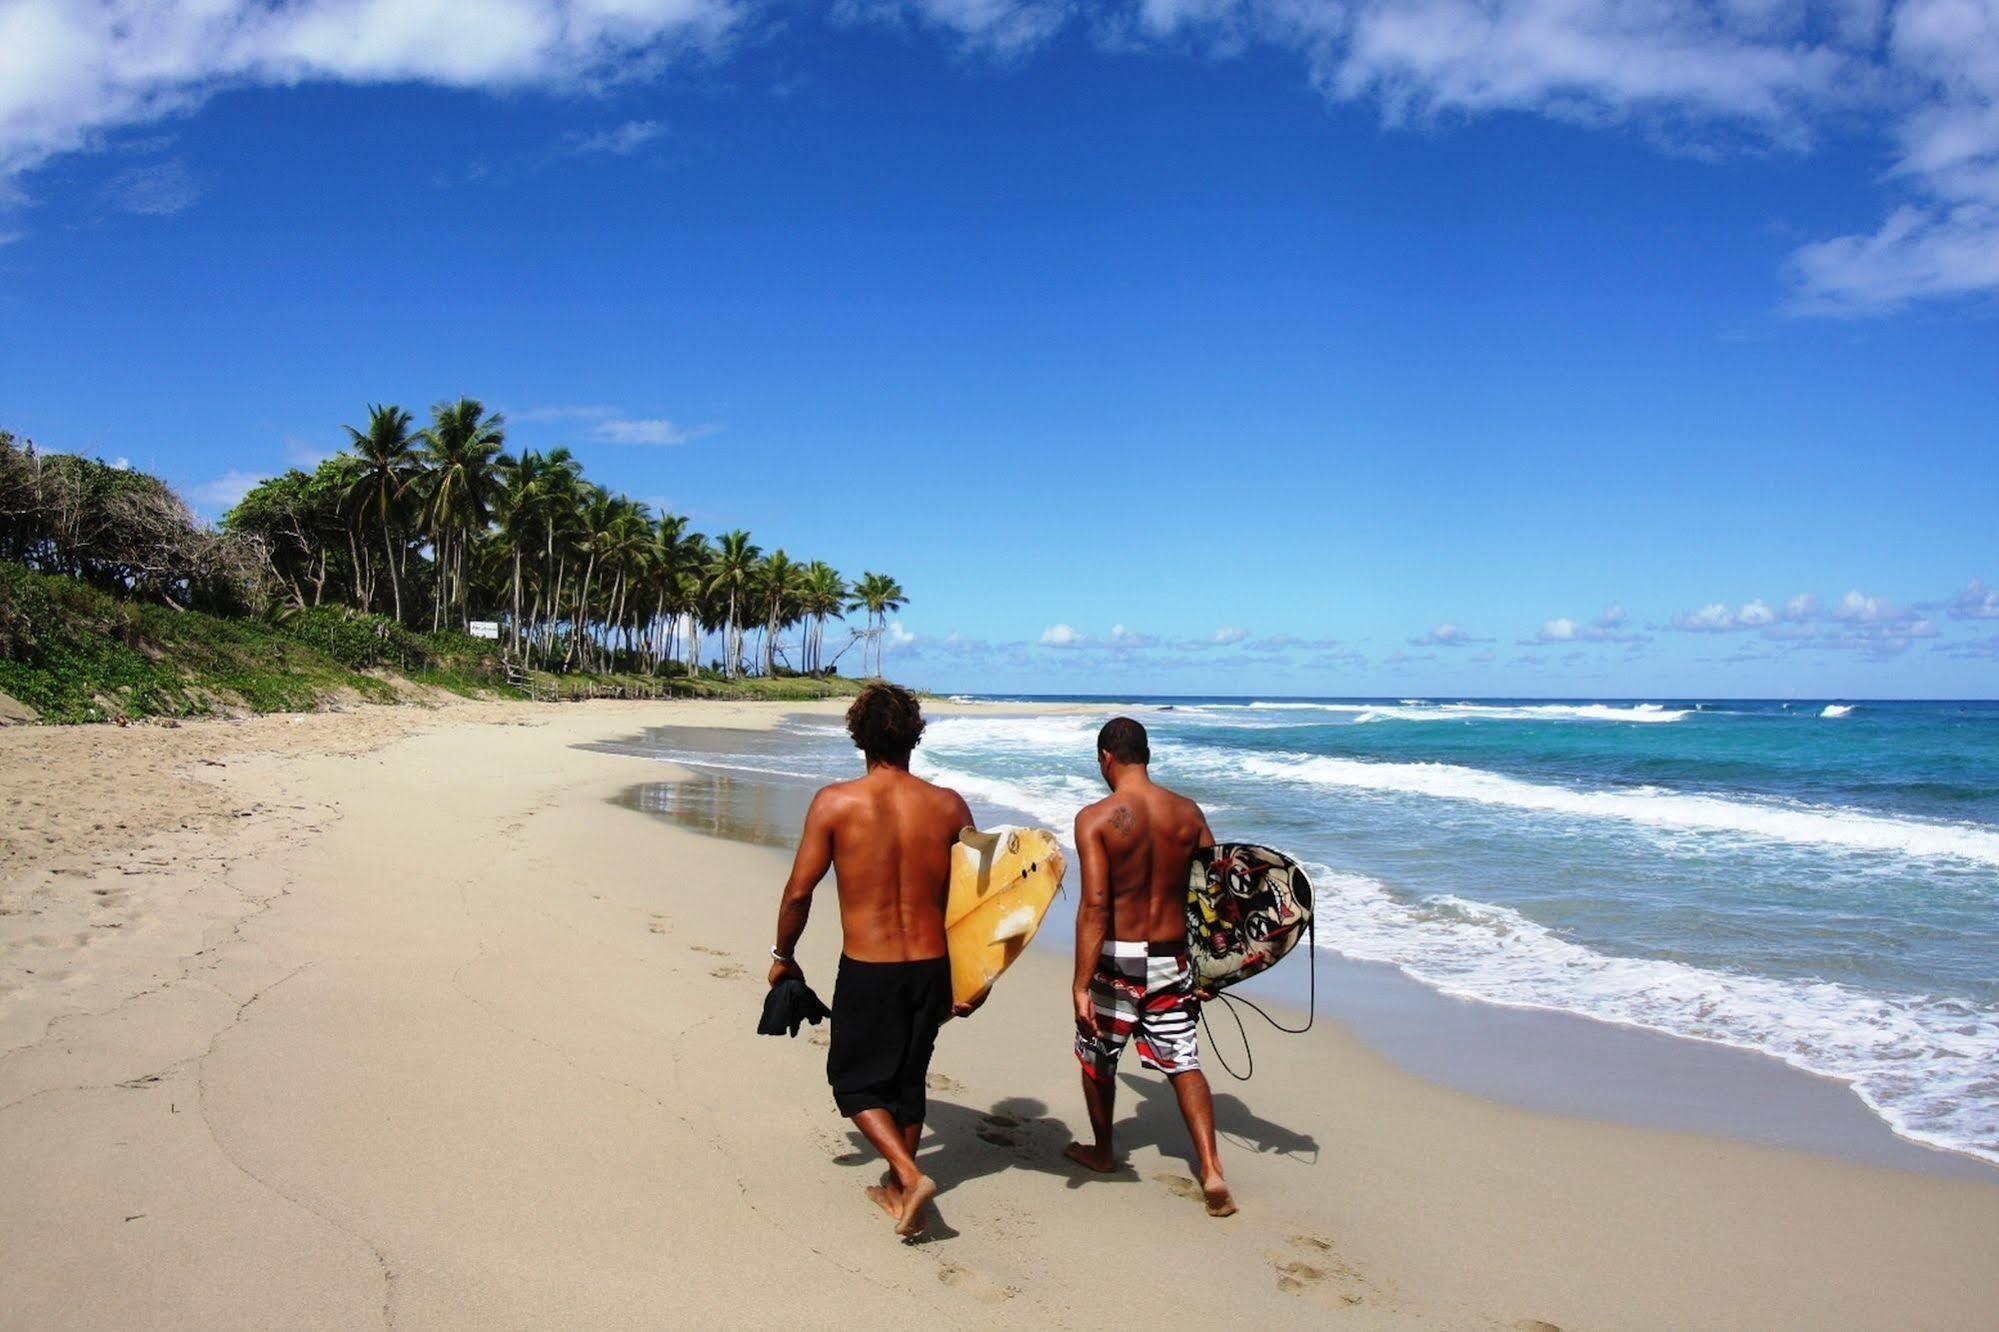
pixel 1099 1097
pixel 914 1190
pixel 1197 1107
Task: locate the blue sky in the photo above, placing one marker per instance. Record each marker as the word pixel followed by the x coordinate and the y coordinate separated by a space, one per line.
pixel 1516 347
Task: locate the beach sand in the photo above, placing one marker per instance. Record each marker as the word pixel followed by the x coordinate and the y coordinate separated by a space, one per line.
pixel 396 1017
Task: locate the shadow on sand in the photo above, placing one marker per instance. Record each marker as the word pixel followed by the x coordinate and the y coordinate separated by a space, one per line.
pixel 962 1144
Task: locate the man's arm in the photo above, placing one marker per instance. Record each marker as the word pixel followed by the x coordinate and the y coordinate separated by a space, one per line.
pixel 808 867
pixel 1093 915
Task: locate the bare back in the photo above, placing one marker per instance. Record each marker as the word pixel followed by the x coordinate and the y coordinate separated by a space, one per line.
pixel 888 836
pixel 1146 836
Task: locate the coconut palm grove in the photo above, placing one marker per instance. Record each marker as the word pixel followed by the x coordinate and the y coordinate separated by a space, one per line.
pixel 433 527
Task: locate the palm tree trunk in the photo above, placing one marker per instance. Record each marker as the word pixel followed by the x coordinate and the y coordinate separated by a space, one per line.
pixel 395 579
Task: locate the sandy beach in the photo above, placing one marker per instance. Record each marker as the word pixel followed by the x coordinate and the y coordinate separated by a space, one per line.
pixel 395 1017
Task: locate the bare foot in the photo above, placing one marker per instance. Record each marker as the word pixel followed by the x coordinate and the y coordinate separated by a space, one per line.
pixel 1090 1158
pixel 1216 1194
pixel 881 1196
pixel 915 1199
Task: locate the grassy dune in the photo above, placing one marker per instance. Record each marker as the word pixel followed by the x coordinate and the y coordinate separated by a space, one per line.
pixel 71 653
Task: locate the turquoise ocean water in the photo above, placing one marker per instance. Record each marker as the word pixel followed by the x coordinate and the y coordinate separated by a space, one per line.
pixel 1815 881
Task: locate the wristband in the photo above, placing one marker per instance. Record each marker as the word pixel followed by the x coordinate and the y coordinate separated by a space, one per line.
pixel 781 957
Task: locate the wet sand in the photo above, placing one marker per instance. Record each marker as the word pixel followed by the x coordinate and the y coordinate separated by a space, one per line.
pixel 399 1019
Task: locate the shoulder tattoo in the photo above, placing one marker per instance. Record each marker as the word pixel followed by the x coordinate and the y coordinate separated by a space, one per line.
pixel 1121 818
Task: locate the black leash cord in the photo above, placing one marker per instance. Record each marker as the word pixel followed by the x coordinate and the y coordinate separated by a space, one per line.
pixel 1231 1000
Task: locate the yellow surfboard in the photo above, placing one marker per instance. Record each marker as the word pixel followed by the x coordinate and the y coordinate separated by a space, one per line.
pixel 1001 884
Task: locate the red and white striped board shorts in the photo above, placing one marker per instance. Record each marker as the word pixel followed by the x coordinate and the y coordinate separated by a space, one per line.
pixel 1147 989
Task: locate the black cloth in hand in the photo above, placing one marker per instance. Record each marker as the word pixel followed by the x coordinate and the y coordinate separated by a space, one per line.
pixel 789 1003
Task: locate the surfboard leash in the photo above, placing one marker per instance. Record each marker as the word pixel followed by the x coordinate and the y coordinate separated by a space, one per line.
pixel 1242 1032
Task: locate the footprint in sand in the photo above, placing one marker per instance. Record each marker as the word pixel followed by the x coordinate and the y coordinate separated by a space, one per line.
pixel 819 1038
pixel 657 924
pixel 943 1082
pixel 704 948
pixel 972 1283
pixel 728 971
pixel 1322 1273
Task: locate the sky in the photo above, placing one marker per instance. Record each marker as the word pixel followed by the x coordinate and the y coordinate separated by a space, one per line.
pixel 1605 348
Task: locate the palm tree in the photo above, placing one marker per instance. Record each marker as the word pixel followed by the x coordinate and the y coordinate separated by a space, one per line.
pixel 825 594
pixel 385 461
pixel 730 573
pixel 781 588
pixel 880 596
pixel 462 449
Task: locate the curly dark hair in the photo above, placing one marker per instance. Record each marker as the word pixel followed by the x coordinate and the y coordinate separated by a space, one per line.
pixel 1124 740
pixel 886 722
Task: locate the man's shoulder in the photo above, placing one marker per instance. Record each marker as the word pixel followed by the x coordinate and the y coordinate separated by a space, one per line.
pixel 1095 812
pixel 836 793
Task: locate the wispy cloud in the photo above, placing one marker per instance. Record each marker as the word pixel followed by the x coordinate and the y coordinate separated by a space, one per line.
pixel 1608 627
pixel 154 189
pixel 614 425
pixel 1445 635
pixel 618 140
pixel 648 430
pixel 222 492
pixel 1705 77
pixel 1974 601
pixel 1064 636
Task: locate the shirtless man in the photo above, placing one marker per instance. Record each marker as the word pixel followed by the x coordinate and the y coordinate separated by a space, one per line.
pixel 1132 971
pixel 887 836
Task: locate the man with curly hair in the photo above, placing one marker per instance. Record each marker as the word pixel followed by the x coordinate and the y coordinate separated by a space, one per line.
pixel 887 835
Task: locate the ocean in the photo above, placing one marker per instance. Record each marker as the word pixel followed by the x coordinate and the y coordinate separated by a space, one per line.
pixel 1815 881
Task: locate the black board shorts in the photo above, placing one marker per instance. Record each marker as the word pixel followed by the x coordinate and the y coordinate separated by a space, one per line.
pixel 885 1021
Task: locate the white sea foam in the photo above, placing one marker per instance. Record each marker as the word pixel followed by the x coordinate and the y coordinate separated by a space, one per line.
pixel 1836 710
pixel 1651 806
pixel 1419 710
pixel 1928 1065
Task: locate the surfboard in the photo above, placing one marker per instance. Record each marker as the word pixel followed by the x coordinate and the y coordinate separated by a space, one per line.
pixel 1002 881
pixel 1247 906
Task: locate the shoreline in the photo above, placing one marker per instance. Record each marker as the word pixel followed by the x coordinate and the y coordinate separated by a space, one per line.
pixel 409 1023
pixel 1529 1058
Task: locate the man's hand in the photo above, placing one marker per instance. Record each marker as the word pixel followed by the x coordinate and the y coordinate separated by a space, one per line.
pixel 779 969
pixel 1086 1015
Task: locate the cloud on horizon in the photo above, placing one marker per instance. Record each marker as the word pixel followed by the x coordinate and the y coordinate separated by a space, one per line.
pixel 1709 77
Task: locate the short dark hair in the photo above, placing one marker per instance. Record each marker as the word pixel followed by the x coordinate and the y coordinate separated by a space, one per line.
pixel 1124 740
pixel 885 721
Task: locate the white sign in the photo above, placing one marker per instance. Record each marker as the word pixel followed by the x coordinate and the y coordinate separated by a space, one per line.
pixel 485 628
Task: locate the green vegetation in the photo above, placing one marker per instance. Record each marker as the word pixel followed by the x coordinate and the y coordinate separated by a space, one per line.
pixel 75 654
pixel 358 580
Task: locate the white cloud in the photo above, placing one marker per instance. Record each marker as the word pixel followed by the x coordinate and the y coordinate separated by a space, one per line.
pixel 1857 607
pixel 70 72
pixel 648 430
pixel 155 189
pixel 1444 635
pixel 121 464
pixel 1975 601
pixel 1063 636
pixel 1692 75
pixel 618 141
pixel 224 491
pixel 898 637
pixel 1229 635
pixel 1612 618
pixel 1127 640
pixel 1562 630
pixel 1717 617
